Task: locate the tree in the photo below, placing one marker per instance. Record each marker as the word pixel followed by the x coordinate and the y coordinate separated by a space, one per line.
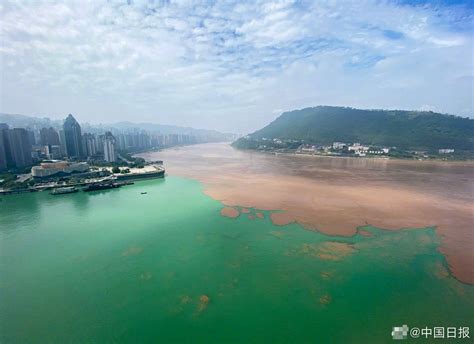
pixel 115 169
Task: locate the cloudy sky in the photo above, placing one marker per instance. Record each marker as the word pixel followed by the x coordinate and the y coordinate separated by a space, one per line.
pixel 232 66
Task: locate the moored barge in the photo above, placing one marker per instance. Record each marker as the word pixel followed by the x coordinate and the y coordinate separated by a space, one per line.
pixel 64 190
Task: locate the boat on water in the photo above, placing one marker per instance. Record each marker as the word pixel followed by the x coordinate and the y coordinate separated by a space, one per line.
pixel 148 172
pixel 64 190
pixel 124 183
pixel 143 193
pixel 101 186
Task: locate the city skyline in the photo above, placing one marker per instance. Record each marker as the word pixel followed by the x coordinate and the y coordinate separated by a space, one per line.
pixel 233 66
pixel 23 146
pixel 44 122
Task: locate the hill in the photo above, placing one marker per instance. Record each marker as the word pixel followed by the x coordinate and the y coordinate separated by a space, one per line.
pixel 394 128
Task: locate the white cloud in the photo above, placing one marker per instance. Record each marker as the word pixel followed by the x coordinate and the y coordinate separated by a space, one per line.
pixel 228 65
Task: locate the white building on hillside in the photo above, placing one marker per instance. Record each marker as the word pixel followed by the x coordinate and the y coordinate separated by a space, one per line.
pixel 339 145
pixel 359 149
pixel 446 151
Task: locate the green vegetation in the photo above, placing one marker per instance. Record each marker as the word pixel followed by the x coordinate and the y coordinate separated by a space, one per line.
pixel 102 163
pixel 7 180
pixel 406 130
pixel 126 154
pixel 115 169
pixel 138 162
pixel 134 161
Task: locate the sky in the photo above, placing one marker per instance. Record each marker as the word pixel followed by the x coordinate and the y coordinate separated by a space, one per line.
pixel 232 66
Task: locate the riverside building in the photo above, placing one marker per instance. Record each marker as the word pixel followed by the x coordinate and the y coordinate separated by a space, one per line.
pixel 57 168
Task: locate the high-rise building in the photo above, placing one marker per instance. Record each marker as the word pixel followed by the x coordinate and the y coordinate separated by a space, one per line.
pixel 100 144
pixel 90 144
pixel 121 141
pixel 49 136
pixel 31 137
pixel 5 146
pixel 72 137
pixel 3 151
pixel 110 154
pixel 62 142
pixel 20 147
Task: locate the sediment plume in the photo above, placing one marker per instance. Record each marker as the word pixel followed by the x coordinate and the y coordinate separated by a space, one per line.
pixel 337 195
pixel 229 212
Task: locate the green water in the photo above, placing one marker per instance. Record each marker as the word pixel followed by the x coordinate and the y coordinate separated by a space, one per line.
pixel 119 266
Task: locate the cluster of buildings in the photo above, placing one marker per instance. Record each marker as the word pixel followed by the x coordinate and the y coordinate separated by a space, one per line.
pixel 363 150
pixel 342 147
pixel 336 148
pixel 446 151
pixel 22 147
pixel 358 149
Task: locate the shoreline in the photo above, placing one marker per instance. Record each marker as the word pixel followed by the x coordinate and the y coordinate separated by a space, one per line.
pixel 467 161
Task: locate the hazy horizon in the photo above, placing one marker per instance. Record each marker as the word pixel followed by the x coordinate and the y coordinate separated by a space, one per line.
pixel 62 117
pixel 232 67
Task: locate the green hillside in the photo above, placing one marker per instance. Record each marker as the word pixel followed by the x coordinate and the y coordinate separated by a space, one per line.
pixel 403 129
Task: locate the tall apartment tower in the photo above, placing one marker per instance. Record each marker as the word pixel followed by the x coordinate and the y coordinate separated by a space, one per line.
pixel 49 136
pixel 90 144
pixel 110 154
pixel 72 137
pixel 20 146
pixel 62 142
pixel 3 146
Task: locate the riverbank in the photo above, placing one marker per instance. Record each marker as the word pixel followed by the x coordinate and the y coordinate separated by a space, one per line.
pixel 336 196
pixel 371 157
pixel 106 174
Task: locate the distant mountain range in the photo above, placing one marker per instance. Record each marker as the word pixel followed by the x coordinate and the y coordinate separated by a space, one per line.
pixel 22 121
pixel 37 123
pixel 418 130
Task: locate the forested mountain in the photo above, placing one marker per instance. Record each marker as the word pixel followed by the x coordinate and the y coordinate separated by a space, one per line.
pixel 403 129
